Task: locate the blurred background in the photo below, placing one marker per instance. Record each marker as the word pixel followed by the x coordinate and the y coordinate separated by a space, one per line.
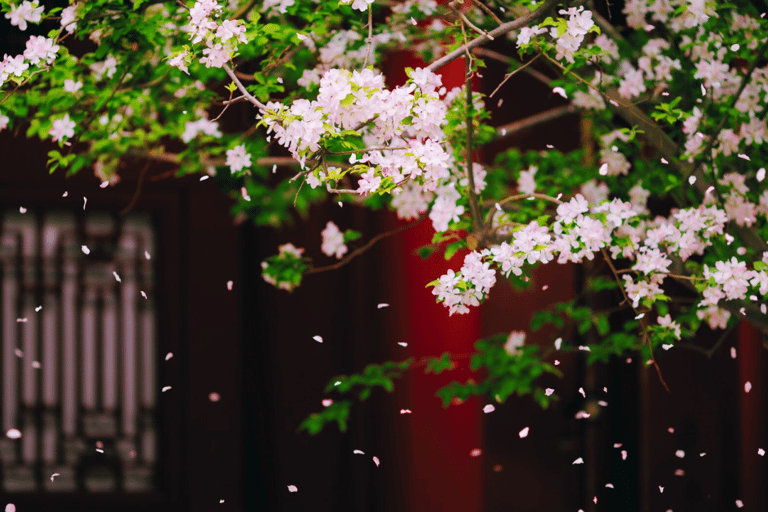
pixel 146 365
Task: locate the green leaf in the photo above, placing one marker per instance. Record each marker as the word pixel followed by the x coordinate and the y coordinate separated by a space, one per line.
pixel 439 364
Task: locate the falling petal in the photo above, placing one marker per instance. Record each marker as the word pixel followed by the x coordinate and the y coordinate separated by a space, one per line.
pixel 581 415
pixel 327 402
pixel 402 344
pixel 36 365
pixel 214 397
pixel 602 403
pixel 557 363
pixel 405 411
pixel 692 180
pixel 578 461
pixel 545 287
pixel 641 315
pixel 549 391
pixel 99 450
pixel 761 174
pixel 18 352
pixel 603 170
pixel 376 461
pixel 146 255
pixel 661 489
pixel 383 305
pixel 54 476
pixel 623 454
pixel 340 204
pixel 86 250
pixel 617 445
pixel 739 503
pixel 337 383
pixel 702 454
pixel 743 157
pixel 143 294
pixel 524 433
pixel 38 308
pixel 21 320
pixel 166 388
pixel 488 408
pixel 747 387
pixel 664 161
pixel 667 347
pixel 168 355
pixel 85 201
pixel 671 430
pixel 274 169
pixel 476 452
pixel 203 178
pixel 104 184
pixel 680 454
pixel 585 348
pixel 22 209
pixel 558 343
pixel 293 488
pixel 560 91
pixel 610 486
pixel 13 433
pixel 229 285
pixel 679 472
pixel 733 352
pixel 760 452
pixel 221 501
pixel 10 507
pixel 117 277
pixel 582 393
pixel 244 193
pixel 318 339
pixel 65 194
pixel 595 500
pixel 359 452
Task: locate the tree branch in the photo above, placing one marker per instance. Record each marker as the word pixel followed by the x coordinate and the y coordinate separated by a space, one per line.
pixel 493 34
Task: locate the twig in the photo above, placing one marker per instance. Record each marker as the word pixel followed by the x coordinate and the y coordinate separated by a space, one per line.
pixel 512 73
pixel 495 33
pixel 135 197
pixel 242 88
pixel 370 36
pixel 488 10
pixel 361 250
pixel 529 122
pixel 474 208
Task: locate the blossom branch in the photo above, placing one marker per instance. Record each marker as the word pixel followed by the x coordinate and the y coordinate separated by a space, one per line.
pixel 493 34
pixel 357 252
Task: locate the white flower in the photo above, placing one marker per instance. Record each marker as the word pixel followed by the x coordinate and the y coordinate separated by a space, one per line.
pixel 68 15
pixel 333 241
pixel 238 159
pixel 26 12
pixel 193 128
pixel 4 120
pixel 514 342
pixel 62 128
pixel 72 86
pixel 108 67
pixel 526 183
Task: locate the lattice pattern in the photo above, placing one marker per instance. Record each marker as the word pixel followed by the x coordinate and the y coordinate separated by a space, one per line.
pixel 79 353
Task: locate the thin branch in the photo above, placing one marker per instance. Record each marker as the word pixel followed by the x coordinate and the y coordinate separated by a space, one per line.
pixel 370 36
pixel 242 88
pixel 511 74
pixel 487 9
pixel 495 33
pixel 474 208
pixel 138 190
pixel 516 127
pixel 535 73
pixel 357 252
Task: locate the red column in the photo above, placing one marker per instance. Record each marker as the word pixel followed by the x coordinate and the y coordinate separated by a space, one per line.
pixel 752 406
pixel 441 473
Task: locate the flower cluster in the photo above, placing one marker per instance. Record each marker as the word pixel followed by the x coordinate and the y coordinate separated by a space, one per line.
pixel 285 269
